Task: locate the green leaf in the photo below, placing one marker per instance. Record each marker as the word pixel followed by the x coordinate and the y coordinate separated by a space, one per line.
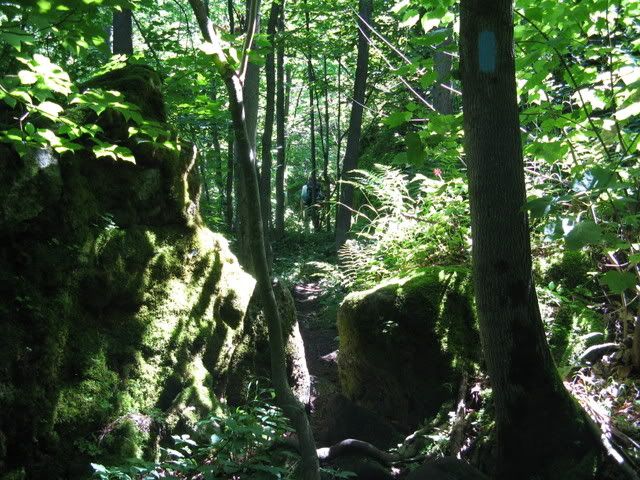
pixel 50 109
pixel 429 24
pixel 584 233
pixel 415 151
pixel 617 281
pixel 27 77
pixel 16 39
pixel 397 118
pixel 634 259
pixel 630 111
pixel 21 95
pixel 98 468
pixel 540 206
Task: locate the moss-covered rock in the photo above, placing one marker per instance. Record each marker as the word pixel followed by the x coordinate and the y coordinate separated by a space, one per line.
pixel 121 316
pixel 404 344
pixel 571 270
pixel 253 359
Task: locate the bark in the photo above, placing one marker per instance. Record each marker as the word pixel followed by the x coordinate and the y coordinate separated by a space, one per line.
pixel 228 213
pixel 338 134
pixel 442 96
pixel 343 219
pixel 203 176
pixel 540 430
pixel 123 32
pixel 325 152
pixel 265 174
pixel 251 92
pixel 312 131
pixel 246 156
pixel 217 155
pixel 281 114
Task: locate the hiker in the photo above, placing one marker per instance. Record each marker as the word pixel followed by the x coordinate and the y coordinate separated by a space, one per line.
pixel 310 196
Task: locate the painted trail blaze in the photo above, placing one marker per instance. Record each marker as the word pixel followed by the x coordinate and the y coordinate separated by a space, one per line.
pixel 487 51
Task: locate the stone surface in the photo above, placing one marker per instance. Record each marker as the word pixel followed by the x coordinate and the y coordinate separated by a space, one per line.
pixel 122 318
pixel 403 344
pixel 447 468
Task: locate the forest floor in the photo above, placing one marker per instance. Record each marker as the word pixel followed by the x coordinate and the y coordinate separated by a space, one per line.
pixel 321 349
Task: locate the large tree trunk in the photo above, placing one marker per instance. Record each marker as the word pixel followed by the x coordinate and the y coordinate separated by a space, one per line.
pixel 123 32
pixel 246 156
pixel 343 220
pixel 540 431
pixel 281 116
pixel 265 173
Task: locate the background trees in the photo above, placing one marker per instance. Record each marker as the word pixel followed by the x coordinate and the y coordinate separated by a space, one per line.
pixel 562 109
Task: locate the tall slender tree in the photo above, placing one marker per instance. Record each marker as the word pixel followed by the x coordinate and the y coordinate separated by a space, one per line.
pixel 281 116
pixel 246 155
pixel 228 191
pixel 122 32
pixel 326 151
pixel 343 219
pixel 540 431
pixel 311 78
pixel 251 92
pixel 270 74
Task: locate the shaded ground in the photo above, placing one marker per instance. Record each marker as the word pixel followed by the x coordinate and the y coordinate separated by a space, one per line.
pixel 321 348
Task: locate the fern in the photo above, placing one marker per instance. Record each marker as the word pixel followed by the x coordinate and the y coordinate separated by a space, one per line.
pixel 404 224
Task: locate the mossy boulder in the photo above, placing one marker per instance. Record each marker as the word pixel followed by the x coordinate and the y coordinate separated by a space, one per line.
pixel 405 343
pixel 121 316
pixel 571 270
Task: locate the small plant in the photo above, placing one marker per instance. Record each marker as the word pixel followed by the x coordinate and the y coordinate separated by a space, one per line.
pixel 235 444
pixel 405 224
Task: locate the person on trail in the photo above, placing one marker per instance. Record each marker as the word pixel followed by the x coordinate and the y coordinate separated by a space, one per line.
pixel 310 196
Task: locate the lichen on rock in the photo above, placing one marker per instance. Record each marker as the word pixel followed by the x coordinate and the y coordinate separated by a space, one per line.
pixel 404 344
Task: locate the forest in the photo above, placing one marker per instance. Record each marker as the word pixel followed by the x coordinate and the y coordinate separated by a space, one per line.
pixel 320 239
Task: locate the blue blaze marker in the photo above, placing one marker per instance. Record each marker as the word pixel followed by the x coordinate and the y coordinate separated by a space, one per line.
pixel 487 51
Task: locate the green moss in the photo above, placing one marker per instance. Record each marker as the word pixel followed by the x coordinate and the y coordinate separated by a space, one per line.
pixel 91 400
pixel 116 306
pixel 140 85
pixel 571 271
pixel 421 327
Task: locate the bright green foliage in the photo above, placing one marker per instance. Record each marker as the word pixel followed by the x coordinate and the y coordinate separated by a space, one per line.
pixel 405 224
pixel 235 443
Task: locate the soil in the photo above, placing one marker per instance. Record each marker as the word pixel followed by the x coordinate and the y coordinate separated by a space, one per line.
pixel 321 351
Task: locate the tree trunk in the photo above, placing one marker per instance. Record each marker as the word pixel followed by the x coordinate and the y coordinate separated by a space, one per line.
pixel 338 135
pixel 343 219
pixel 246 155
pixel 313 210
pixel 281 115
pixel 122 32
pixel 540 431
pixel 203 176
pixel 265 174
pixel 251 92
pixel 442 96
pixel 217 155
pixel 326 151
pixel 228 214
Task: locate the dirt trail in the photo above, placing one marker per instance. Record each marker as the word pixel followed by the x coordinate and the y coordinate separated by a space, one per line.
pixel 321 346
